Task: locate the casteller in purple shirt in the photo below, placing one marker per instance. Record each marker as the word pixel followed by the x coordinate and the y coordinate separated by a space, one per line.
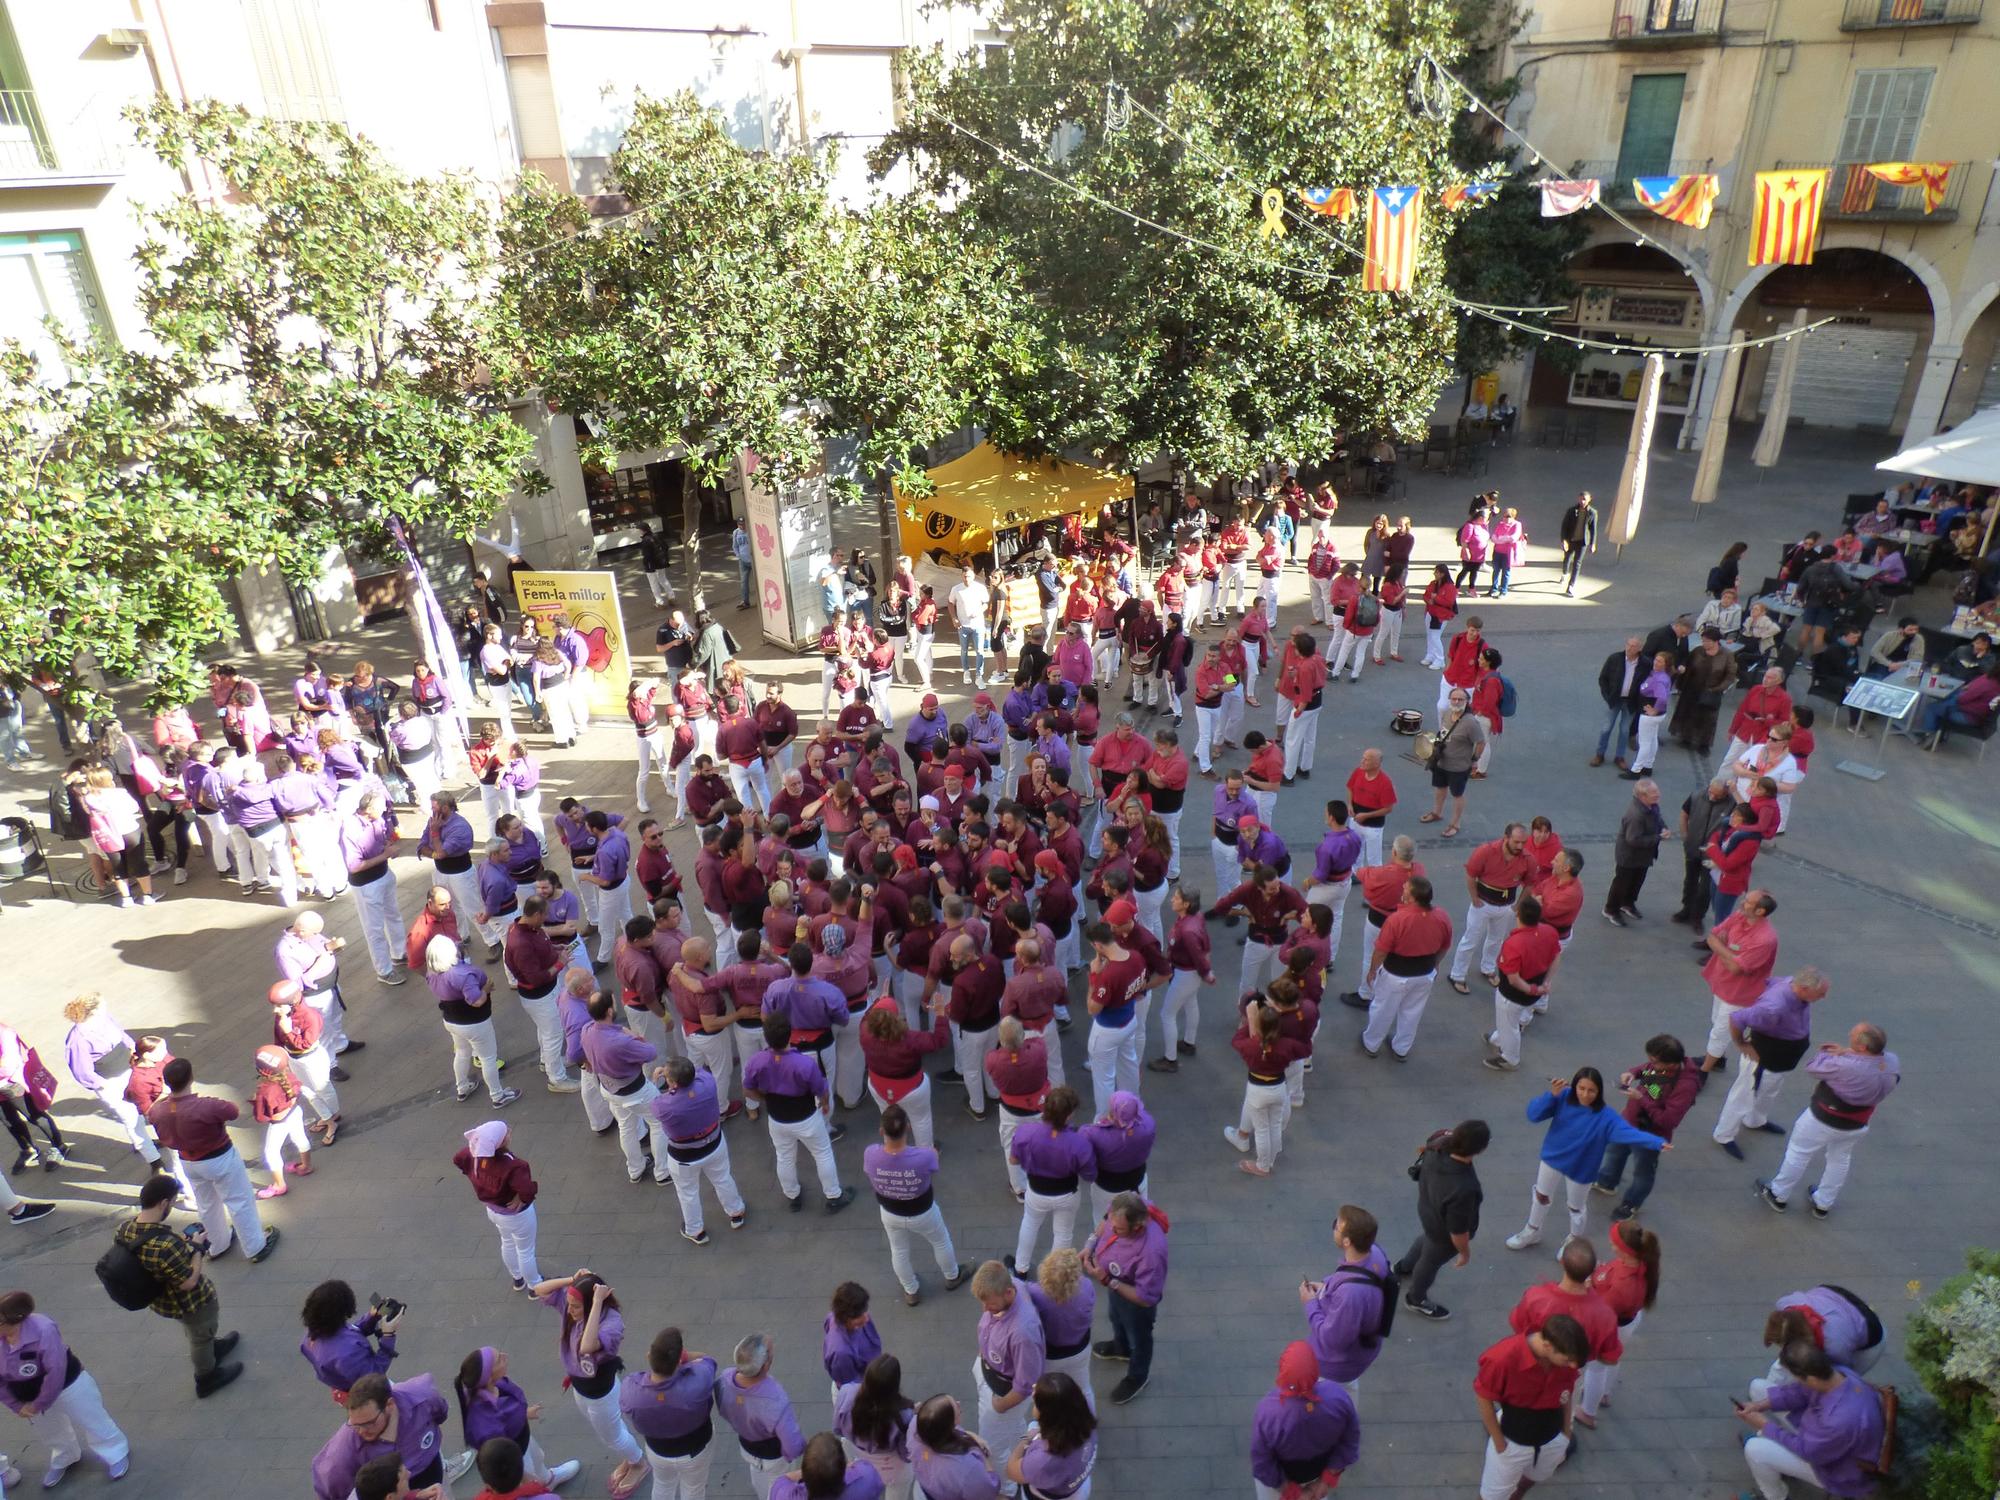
pixel 846 1351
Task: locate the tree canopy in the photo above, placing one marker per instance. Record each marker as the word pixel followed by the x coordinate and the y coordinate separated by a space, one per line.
pixel 1154 344
pixel 315 364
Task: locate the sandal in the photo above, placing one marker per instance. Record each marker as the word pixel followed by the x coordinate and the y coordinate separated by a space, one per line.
pixel 1460 985
pixel 1431 818
pixel 1451 832
pixel 331 1127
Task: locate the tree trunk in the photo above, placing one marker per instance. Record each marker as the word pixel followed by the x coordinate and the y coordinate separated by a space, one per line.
pixel 691 531
pixel 885 515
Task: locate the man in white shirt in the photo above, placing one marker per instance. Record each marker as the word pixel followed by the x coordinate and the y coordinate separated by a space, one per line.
pixel 969 602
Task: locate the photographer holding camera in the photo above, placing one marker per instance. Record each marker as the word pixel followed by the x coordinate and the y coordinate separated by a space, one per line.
pixel 177 1267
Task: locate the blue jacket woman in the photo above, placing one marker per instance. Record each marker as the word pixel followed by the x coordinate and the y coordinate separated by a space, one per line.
pixel 1580 1127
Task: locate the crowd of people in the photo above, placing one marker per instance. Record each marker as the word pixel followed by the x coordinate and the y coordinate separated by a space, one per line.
pixel 867 895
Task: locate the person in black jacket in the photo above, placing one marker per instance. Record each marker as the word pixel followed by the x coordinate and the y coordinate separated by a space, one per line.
pixel 1448 1197
pixel 1618 683
pixel 1676 638
pixel 1638 845
pixel 1579 535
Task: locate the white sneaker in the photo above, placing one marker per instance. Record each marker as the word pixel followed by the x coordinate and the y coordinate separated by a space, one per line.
pixel 504 1098
pixel 1522 1239
pixel 457 1465
pixel 180 877
pixel 1236 1138
pixel 564 1086
pixel 563 1473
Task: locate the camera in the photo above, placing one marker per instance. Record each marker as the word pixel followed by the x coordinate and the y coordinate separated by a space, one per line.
pixel 388 1309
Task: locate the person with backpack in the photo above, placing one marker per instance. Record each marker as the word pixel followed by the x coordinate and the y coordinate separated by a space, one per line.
pixel 1448 1199
pixel 1494 702
pixel 149 1265
pixel 1357 634
pixel 117 833
pixel 43 1381
pixel 1349 1314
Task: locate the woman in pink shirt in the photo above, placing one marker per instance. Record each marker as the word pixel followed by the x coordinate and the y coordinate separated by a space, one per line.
pixel 1510 545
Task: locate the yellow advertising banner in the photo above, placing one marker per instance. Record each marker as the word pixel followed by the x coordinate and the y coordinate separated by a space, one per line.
pixel 591 602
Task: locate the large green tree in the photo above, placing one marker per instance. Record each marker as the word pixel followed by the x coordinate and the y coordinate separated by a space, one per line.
pixel 1153 344
pixel 316 366
pixel 689 324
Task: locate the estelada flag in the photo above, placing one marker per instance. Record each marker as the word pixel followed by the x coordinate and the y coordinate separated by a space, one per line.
pixel 1395 214
pixel 1336 202
pixel 1686 200
pixel 1934 175
pixel 1785 228
pixel 1469 194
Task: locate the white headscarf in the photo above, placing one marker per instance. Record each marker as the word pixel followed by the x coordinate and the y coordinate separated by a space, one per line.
pixel 486 1140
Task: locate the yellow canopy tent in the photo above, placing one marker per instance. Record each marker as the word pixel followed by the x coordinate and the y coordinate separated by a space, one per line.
pixel 988 491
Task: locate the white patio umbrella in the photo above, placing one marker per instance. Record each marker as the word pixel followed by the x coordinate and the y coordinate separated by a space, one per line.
pixel 1771 441
pixel 1624 523
pixel 1715 437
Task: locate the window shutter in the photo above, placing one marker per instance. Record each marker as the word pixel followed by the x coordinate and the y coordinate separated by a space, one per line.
pixel 1652 120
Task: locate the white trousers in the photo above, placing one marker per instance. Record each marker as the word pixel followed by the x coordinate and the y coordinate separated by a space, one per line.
pixel 289 1130
pixel 1322 607
pixel 224 1198
pixel 922 644
pixel 1808 1139
pixel 686 1478
pixel 917 1105
pixel 1266 1106
pixel 614 910
pixel 1371 846
pixel 1771 1464
pixel 1352 647
pixel 1433 642
pixel 1235 578
pixel 1000 1431
pixel 1504 1471
pixel 1600 1380
pixel 1749 1100
pixel 608 1423
pixel 1389 636
pixel 1506 1032
pixel 788 1136
pixel 271 862
pixel 1267 595
pixel 1301 739
pixel 688 1175
pixel 1394 1010
pixel 314 1072
pixel 751 785
pixel 1576 1198
pixel 381 922
pixel 652 751
pixel 850 1072
pixel 969 1049
pixel 1009 1123
pixel 464 888
pixel 596 1108
pixel 496 800
pixel 1649 741
pixel 1230 723
pixel 715 1051
pixel 1173 823
pixel 1104 656
pixel 637 1128
pixel 319 840
pixel 749 1042
pixel 1180 1011
pixel 1205 722
pixel 578 695
pixel 1719 1042
pixel 1257 959
pixel 927 1226
pixel 1485 930
pixel 331 1009
pixel 214 839
pixel 517 1243
pixel 121 1109
pixel 1113 1050
pixel 1041 1208
pixel 76 1423
pixel 548 1034
pixel 1150 904
pixel 470 1042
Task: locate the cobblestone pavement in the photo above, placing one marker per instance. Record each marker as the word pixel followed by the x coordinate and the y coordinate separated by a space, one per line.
pixel 1886 885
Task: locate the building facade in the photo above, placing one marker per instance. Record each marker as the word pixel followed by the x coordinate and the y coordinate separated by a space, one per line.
pixel 492 90
pixel 1618 89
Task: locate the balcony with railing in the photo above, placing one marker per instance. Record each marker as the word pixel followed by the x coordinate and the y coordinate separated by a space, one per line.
pixel 1617 175
pixel 31 154
pixel 1854 193
pixel 1666 23
pixel 1880 15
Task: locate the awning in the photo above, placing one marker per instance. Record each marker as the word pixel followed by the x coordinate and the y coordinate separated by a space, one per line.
pixel 1969 453
pixel 988 491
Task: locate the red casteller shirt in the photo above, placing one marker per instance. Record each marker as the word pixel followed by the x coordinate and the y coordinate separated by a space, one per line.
pixel 1382 885
pixel 1491 866
pixel 1560 903
pixel 1365 796
pixel 1510 1375
pixel 1412 932
pixel 1600 1323
pixel 1461 659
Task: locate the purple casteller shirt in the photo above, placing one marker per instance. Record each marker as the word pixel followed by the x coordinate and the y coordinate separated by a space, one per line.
pixel 1831 1430
pixel 614 857
pixel 1287 1430
pixel 809 1004
pixel 690 1115
pixel 420 1412
pixel 87 1044
pixel 496 888
pixel 1139 1262
pixel 1778 1012
pixel 614 1054
pixel 454 839
pixel 1843 1331
pixel 1342 1320
pixel 575 1013
pixel 1122 1141
pixel 787 1072
pixel 1065 1325
pixel 1040 1150
pixel 861 1483
pixel 953 1476
pixel 496 1411
pixel 843 1425
pixel 1011 1342
pixel 362 839
pixel 671 1408
pixel 759 1412
pixel 1057 1474
pixel 610 1334
pixel 40 1360
pixel 1229 811
pixel 900 1177
pixel 337 1362
pixel 1333 859
pixel 846 1351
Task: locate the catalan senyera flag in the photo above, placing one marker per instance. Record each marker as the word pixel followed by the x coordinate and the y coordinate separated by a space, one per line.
pixel 1785 227
pixel 1469 194
pixel 1934 175
pixel 1688 199
pixel 1336 202
pixel 1395 214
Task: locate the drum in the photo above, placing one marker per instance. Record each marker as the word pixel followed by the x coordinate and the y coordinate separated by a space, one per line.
pixel 1406 721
